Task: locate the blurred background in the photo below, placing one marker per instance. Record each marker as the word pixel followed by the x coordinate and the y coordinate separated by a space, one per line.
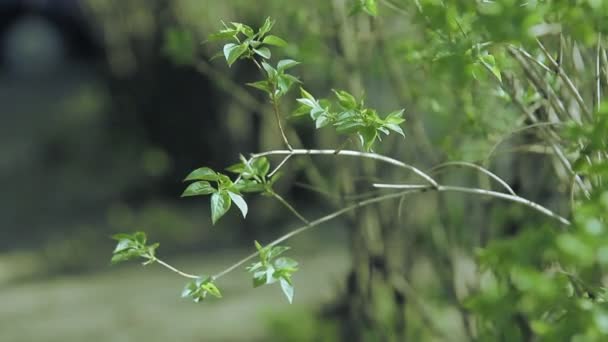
pixel 107 105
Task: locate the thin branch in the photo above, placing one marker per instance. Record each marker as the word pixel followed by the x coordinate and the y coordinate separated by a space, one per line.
pixel 478 168
pixel 276 169
pixel 530 57
pixel 290 207
pixel 183 274
pixel 483 192
pixel 277 115
pixel 557 149
pixel 598 72
pixel 351 153
pixel 313 224
pixel 566 79
pixel 519 130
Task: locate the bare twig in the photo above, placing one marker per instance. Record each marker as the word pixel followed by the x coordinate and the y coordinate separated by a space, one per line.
pixel 290 207
pixel 351 153
pixel 478 168
pixel 183 274
pixel 483 192
pixel 567 80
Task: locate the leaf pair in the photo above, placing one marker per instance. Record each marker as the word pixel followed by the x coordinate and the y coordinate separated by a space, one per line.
pixel 271 269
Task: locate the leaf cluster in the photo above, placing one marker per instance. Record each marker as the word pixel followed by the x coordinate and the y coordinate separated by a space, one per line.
pixel 133 246
pixel 271 269
pixel 199 288
pixel 277 82
pixel 352 117
pixel 246 42
pixel 222 194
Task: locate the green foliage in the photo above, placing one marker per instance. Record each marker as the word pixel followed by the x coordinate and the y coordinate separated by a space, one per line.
pixel 542 283
pixel 247 43
pixel 222 195
pixel 271 269
pixel 352 117
pixel 278 82
pixel 199 288
pixel 368 6
pixel 133 246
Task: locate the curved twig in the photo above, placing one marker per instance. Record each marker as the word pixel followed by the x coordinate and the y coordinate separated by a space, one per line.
pixel 478 168
pixel 483 192
pixel 351 153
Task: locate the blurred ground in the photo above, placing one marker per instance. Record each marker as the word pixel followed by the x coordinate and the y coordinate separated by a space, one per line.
pixel 133 303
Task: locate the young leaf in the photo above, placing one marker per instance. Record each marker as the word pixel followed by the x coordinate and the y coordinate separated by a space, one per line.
pixel 198 188
pixel 287 289
pixel 220 203
pixel 370 7
pixel 240 202
pixel 212 289
pixel 490 61
pixel 274 40
pixel 263 51
pixel 204 173
pixel 286 64
pixel 268 24
pixel 232 52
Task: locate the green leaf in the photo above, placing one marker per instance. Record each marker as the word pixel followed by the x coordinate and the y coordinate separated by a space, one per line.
pixel 263 51
pixel 274 40
pixel 395 128
pixel 490 61
pixel 266 27
pixel 240 202
pixel 220 203
pixel 198 188
pixel 261 166
pixel 123 245
pixel 287 289
pixel 368 136
pixel 212 289
pixel 322 121
pixel 286 64
pixel 223 34
pixel 370 7
pixel 346 100
pixel 204 173
pixel 250 186
pixel 261 85
pixel 285 263
pixel 232 52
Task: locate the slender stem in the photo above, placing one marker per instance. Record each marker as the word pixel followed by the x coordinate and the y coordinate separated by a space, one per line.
pixel 290 207
pixel 519 130
pixel 598 72
pixel 478 168
pixel 483 192
pixel 276 169
pixel 277 115
pixel 313 224
pixel 566 79
pixel 351 153
pixel 183 274
pixel 530 57
pixel 275 107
